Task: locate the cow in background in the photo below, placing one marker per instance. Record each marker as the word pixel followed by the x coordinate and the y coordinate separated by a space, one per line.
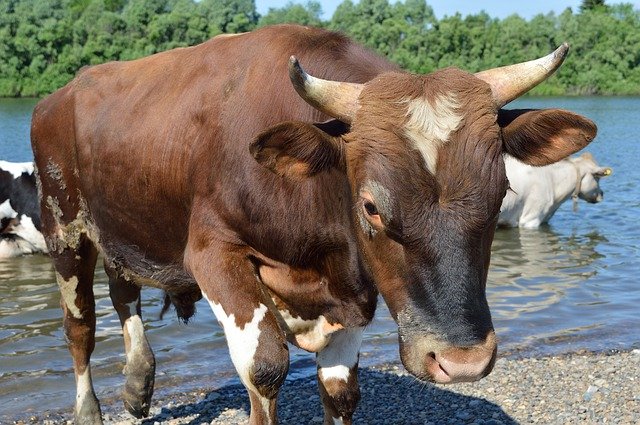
pixel 536 193
pixel 19 211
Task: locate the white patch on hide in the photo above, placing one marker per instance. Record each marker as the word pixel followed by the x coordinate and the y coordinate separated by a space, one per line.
pixel 266 404
pixel 242 342
pixel 430 124
pixel 27 231
pixel 6 211
pixel 310 335
pixel 17 168
pixel 341 355
pixel 137 341
pixel 10 248
pixel 84 387
pixel 68 293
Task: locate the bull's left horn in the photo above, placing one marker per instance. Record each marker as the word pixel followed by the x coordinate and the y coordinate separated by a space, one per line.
pixel 337 99
pixel 512 81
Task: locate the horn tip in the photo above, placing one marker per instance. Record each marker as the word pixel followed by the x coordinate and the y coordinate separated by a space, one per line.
pixel 563 50
pixel 296 73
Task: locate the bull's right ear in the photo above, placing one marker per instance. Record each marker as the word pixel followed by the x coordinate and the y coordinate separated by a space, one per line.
pixel 297 149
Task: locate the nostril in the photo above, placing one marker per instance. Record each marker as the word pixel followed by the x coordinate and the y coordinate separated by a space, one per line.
pixel 435 369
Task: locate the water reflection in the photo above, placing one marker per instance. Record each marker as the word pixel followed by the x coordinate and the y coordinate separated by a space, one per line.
pixel 533 269
pixel 536 282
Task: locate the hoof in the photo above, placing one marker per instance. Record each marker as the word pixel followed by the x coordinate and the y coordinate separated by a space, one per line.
pixel 138 389
pixel 137 397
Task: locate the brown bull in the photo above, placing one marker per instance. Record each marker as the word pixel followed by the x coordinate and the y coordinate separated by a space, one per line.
pixel 202 172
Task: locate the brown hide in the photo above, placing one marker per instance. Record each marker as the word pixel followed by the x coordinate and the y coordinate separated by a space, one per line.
pixel 203 164
pixel 161 153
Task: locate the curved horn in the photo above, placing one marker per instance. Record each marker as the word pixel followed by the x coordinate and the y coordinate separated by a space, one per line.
pixel 512 81
pixel 337 99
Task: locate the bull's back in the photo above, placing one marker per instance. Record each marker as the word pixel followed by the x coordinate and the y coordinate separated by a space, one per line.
pixel 136 141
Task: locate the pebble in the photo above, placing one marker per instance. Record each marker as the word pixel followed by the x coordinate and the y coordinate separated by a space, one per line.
pixel 584 388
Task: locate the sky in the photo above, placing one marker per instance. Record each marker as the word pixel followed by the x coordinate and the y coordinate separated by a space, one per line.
pixel 495 8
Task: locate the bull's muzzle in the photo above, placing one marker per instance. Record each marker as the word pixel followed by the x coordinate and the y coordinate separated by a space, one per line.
pixel 431 360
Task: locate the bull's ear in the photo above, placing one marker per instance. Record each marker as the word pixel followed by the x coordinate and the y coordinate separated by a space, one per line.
pixel 542 137
pixel 296 149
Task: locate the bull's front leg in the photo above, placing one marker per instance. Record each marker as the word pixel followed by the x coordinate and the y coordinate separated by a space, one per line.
pixel 338 376
pixel 257 345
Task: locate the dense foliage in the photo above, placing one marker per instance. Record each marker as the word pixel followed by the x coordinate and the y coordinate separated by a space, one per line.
pixel 44 42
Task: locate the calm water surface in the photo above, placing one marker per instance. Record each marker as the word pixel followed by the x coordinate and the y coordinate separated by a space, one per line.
pixel 572 285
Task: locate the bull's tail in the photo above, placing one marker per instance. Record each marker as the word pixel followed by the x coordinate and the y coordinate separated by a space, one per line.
pixel 166 305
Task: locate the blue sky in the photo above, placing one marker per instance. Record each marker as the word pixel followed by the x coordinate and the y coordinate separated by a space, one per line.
pixel 495 8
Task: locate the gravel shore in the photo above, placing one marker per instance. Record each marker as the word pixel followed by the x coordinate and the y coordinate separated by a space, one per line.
pixel 580 388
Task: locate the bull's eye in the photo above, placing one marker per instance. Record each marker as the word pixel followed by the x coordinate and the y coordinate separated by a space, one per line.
pixel 370 208
pixel 370 215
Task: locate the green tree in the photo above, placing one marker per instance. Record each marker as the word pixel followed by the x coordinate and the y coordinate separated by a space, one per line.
pixel 44 42
pixel 592 5
pixel 292 13
pixel 230 16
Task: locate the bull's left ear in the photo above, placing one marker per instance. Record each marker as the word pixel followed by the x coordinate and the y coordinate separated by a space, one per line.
pixel 297 149
pixel 542 137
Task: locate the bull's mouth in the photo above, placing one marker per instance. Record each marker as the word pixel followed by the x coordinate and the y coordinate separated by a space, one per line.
pixel 448 365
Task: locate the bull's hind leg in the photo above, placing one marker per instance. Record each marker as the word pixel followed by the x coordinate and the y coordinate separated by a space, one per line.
pixel 257 345
pixel 338 376
pixel 140 368
pixel 74 273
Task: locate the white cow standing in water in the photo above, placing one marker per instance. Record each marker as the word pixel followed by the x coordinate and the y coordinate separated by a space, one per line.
pixel 537 192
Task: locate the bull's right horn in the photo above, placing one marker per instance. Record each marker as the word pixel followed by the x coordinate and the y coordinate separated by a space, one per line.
pixel 336 99
pixel 512 81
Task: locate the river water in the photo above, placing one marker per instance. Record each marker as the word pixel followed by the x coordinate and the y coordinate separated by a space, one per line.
pixel 572 285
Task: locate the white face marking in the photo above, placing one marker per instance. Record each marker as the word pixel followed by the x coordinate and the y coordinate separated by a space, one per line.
pixel 68 292
pixel 430 125
pixel 242 342
pixel 17 168
pixel 337 421
pixel 84 387
pixel 341 355
pixel 6 211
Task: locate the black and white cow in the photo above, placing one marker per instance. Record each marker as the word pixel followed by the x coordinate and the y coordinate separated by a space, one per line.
pixel 19 211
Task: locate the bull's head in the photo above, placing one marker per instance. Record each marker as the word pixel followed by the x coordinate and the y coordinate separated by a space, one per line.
pixel 424 159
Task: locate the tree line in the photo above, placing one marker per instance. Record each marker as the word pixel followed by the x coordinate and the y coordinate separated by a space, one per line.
pixel 44 42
